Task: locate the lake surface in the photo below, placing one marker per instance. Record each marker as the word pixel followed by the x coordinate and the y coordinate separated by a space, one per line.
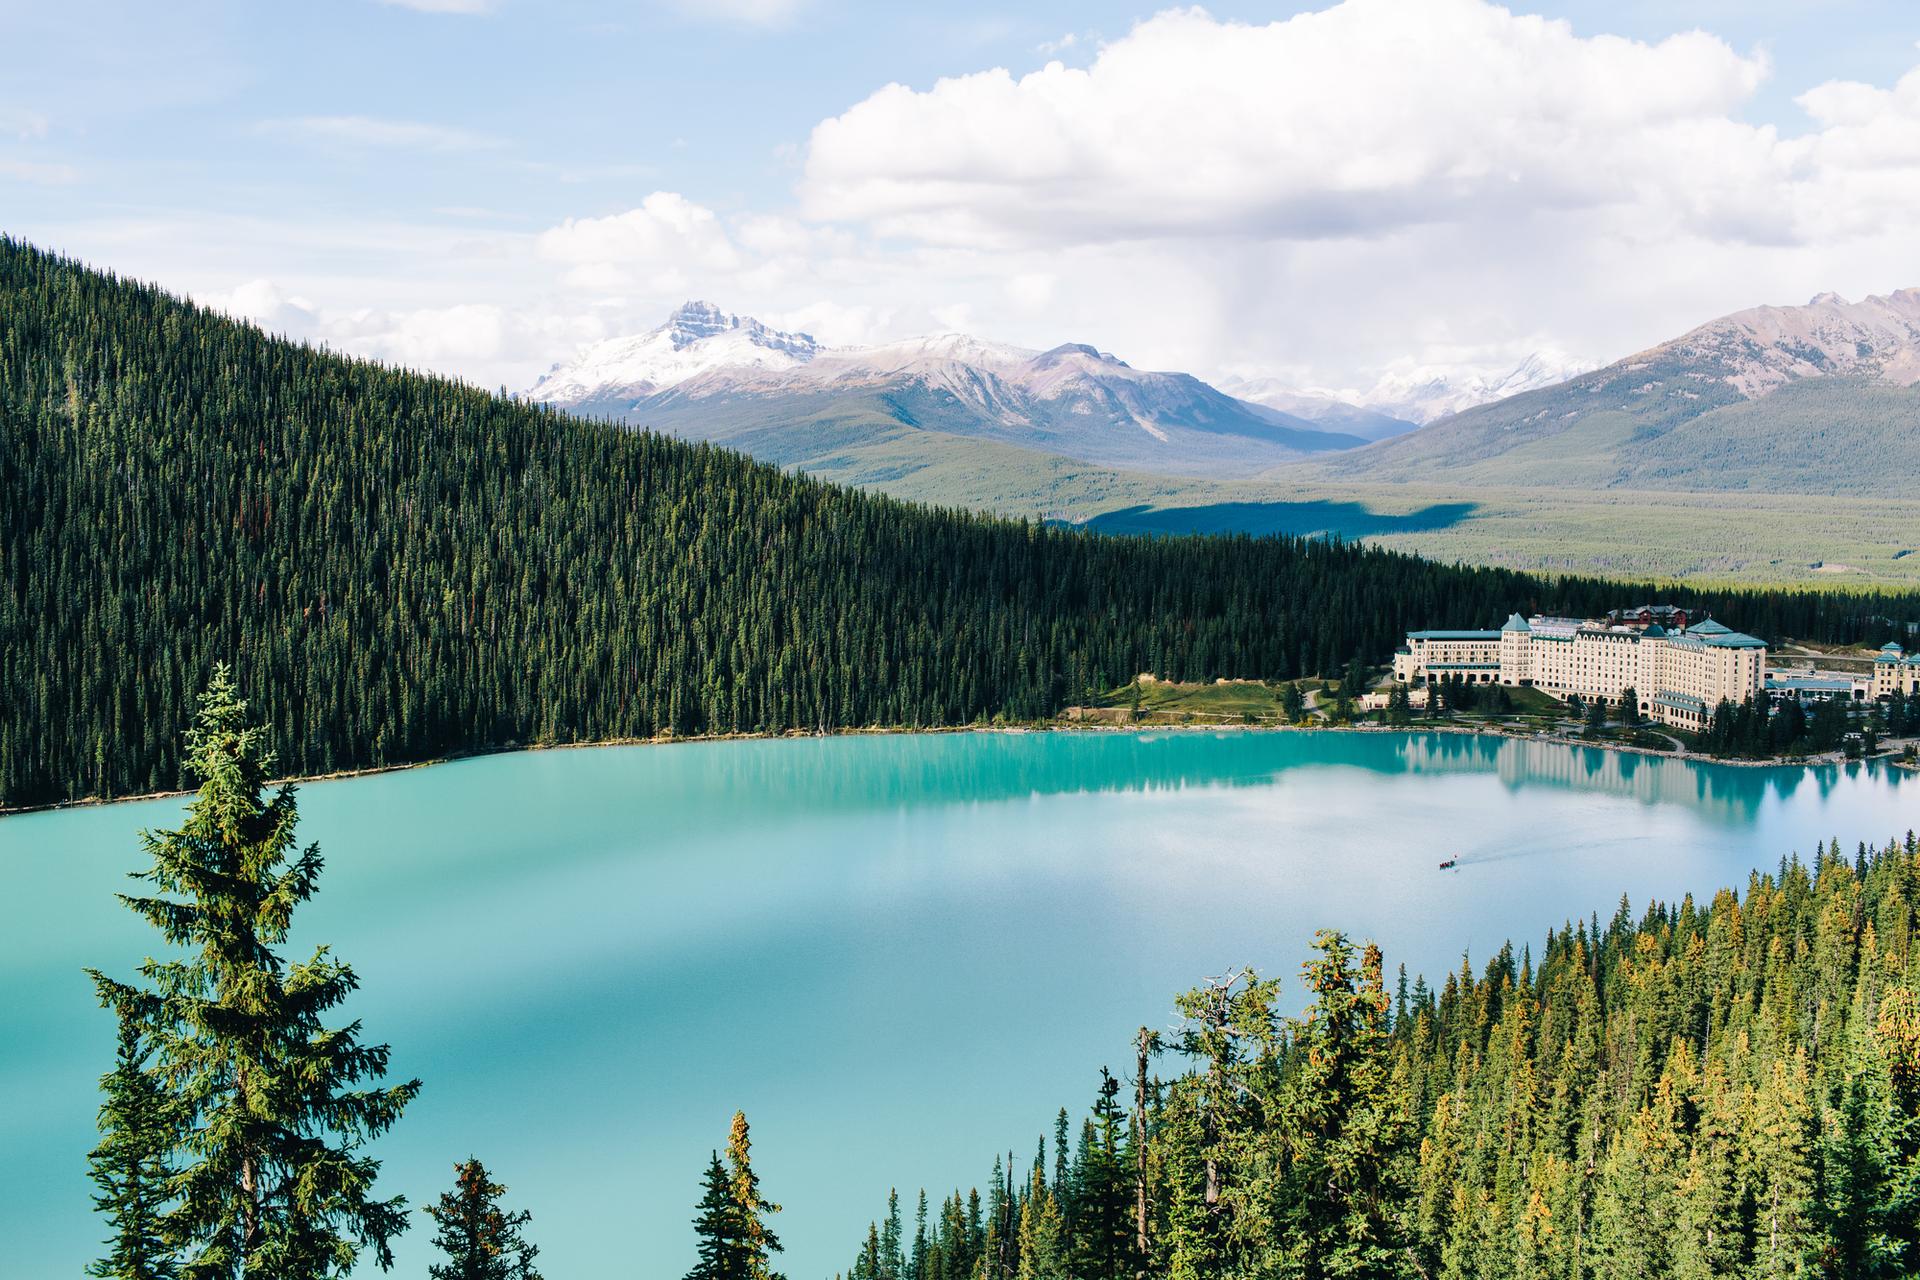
pixel 899 954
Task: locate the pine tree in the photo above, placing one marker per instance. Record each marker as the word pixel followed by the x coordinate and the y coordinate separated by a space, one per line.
pixel 917 1259
pixel 893 1263
pixel 1062 1174
pixel 1860 1167
pixel 1348 1129
pixel 1043 1251
pixel 482 1241
pixel 718 1229
pixel 131 1168
pixel 757 1241
pixel 1103 1235
pixel 271 1179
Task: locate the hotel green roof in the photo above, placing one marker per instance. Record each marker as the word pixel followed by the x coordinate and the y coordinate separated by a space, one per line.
pixel 1737 640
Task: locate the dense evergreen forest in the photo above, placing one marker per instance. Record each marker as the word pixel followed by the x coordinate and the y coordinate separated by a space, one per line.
pixel 1757 729
pixel 403 567
pixel 1727 1089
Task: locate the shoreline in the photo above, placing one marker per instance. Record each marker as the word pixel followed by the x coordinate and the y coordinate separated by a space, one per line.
pixel 1054 725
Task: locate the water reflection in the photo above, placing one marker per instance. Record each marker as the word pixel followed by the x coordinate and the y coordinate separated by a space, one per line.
pixel 1731 793
pixel 849 773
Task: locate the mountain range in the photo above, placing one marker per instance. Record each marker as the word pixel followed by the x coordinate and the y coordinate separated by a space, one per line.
pixel 707 374
pixel 1818 398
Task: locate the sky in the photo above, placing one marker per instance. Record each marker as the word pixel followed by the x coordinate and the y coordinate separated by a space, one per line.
pixel 1323 194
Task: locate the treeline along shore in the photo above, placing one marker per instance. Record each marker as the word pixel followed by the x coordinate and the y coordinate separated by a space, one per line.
pixel 405 568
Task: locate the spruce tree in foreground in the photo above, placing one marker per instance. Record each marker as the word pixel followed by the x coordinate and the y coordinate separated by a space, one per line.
pixel 757 1240
pixel 1346 1123
pixel 716 1228
pixel 1104 1231
pixel 138 1130
pixel 482 1241
pixel 270 1181
pixel 735 1242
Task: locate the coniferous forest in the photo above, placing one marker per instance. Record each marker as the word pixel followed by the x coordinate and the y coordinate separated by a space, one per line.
pixel 1729 1089
pixel 402 567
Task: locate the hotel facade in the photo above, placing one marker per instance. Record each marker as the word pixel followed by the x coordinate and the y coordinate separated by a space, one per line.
pixel 1678 676
pixel 1895 671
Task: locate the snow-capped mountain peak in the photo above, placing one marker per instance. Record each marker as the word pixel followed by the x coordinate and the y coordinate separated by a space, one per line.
pixel 697 338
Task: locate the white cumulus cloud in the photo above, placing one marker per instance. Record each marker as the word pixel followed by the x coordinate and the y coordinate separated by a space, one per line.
pixel 1367 116
pixel 666 238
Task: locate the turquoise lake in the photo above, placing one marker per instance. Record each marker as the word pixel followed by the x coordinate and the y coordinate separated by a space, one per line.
pixel 899 954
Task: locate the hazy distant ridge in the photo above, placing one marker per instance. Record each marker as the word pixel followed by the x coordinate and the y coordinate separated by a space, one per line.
pixel 1819 398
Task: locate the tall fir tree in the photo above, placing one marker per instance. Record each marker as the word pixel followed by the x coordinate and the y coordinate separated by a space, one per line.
pixel 893 1260
pixel 717 1228
pixel 1347 1125
pixel 1043 1245
pixel 272 1179
pixel 758 1243
pixel 1103 1234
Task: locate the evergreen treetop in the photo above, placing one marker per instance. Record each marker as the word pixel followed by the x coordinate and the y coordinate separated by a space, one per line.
pixel 481 1240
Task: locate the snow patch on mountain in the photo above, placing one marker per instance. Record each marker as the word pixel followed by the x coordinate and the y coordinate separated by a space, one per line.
pixel 1411 393
pixel 1424 393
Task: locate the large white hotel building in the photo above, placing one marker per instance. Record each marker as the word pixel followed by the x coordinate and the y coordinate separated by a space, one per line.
pixel 1678 676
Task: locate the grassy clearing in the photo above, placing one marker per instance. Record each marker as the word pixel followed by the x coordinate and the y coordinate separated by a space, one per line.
pixel 1532 702
pixel 1232 701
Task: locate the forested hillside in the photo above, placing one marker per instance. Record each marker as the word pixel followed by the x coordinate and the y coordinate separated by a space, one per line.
pixel 405 567
pixel 1728 1089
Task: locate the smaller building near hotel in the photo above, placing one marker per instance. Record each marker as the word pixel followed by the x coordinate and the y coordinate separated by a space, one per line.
pixel 1642 616
pixel 1679 674
pixel 1818 686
